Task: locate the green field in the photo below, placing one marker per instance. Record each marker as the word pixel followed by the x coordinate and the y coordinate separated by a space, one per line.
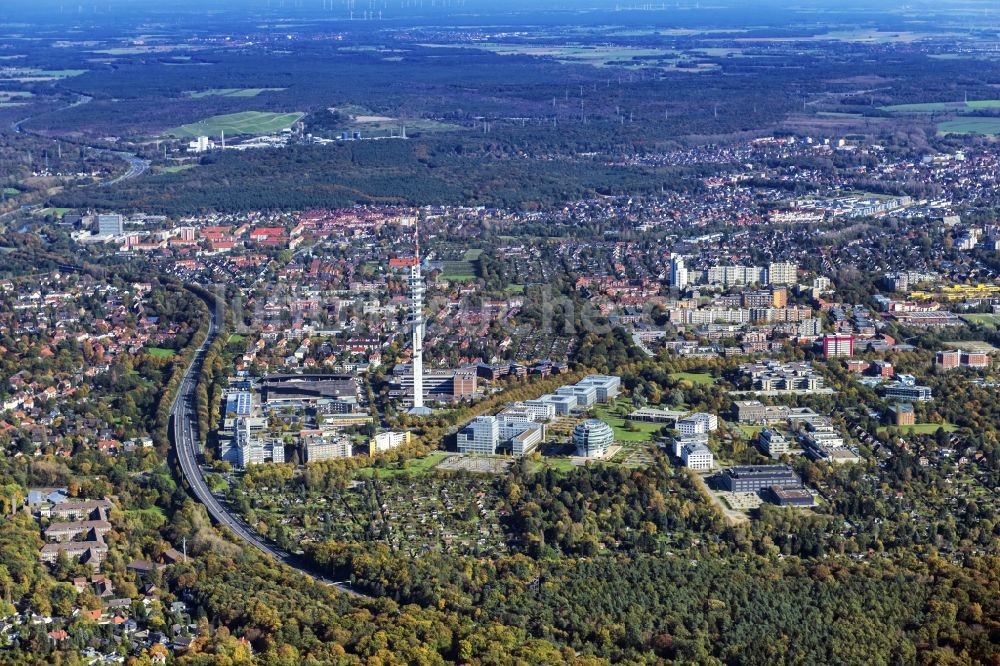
pixel 924 428
pixel 59 212
pixel 412 466
pixel 177 168
pixel 640 431
pixel 939 107
pixel 988 320
pixel 32 74
pixel 990 126
pixel 472 254
pixel 231 92
pixel 750 431
pixel 514 289
pixel 236 338
pixel 246 122
pixel 696 378
pixel 459 271
pixel 160 352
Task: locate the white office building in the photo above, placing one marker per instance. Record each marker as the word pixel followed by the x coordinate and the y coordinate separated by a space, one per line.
pixel 561 404
pixel 698 423
pixel 607 386
pixel 697 456
pixel 481 436
pixel 593 438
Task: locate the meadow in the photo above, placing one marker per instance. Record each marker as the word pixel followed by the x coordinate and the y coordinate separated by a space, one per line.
pixel 233 124
pixel 988 126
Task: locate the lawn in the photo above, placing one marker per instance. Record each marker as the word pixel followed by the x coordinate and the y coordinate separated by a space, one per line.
pixel 640 431
pixel 514 289
pixel 231 92
pixel 696 378
pixel 58 212
pixel 160 352
pixel 924 428
pixel 990 126
pixel 236 338
pixel 414 466
pixel 246 122
pixel 11 192
pixel 987 320
pixel 750 431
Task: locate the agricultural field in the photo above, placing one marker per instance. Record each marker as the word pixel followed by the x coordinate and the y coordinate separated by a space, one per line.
pixel 233 124
pixel 370 123
pixel 231 92
pixel 30 74
pixel 987 126
pixel 942 107
pixel 580 54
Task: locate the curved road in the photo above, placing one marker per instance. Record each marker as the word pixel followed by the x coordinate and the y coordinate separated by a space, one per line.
pixel 185 441
pixel 136 165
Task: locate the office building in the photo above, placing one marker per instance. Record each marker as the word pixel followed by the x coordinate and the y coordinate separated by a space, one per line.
pixel 593 438
pixel 606 386
pixel 562 404
pixel 754 478
pixel 772 443
pixel 481 436
pixel 259 451
pixel 697 424
pixel 110 225
pixel 790 496
pixel 697 456
pixel 905 389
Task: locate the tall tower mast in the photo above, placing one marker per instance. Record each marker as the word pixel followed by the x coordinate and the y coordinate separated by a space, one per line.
pixel 417 323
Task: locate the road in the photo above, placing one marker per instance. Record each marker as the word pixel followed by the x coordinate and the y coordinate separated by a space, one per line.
pixel 136 165
pixel 184 437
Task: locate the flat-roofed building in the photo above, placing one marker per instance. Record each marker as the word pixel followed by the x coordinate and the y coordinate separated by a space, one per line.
pixel 327 448
pixel 772 443
pixel 790 496
pixel 753 478
pixel 698 423
pixel 902 414
pixel 481 436
pixel 607 386
pixel 562 404
pixel 386 441
pixel 697 456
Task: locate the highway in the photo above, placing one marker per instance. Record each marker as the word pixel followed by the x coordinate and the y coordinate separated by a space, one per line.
pixel 184 437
